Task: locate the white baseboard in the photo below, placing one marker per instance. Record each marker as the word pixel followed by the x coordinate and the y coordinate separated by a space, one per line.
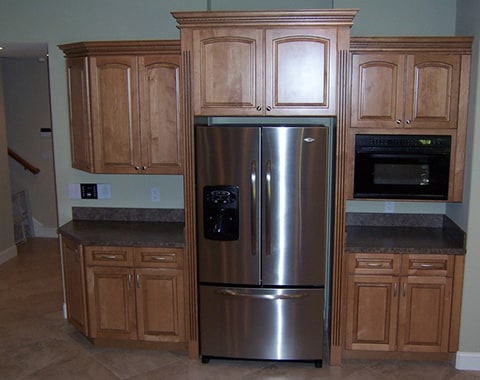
pixel 8 254
pixel 40 230
pixel 468 361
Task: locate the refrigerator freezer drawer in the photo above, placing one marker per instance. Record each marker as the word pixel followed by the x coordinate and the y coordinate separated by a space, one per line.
pixel 270 324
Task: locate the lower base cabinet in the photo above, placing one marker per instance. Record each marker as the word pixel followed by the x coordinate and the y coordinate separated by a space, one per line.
pixel 400 302
pixel 74 282
pixel 129 293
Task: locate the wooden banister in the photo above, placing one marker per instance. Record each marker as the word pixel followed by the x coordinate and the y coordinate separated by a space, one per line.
pixel 26 165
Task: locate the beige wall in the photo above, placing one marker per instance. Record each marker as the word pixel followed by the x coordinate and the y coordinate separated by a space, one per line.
pixel 7 243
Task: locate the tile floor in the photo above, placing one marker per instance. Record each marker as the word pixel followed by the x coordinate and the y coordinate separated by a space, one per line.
pixel 37 343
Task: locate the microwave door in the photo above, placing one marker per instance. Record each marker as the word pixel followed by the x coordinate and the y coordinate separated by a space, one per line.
pixel 401 176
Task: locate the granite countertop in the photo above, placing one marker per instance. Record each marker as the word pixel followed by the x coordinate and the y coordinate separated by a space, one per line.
pixel 403 233
pixel 126 227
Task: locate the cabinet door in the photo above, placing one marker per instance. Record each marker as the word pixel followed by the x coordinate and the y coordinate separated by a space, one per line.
pixel 79 113
pixel 160 130
pixel 300 71
pixel 160 312
pixel 228 71
pixel 433 90
pixel 377 98
pixel 424 314
pixel 75 290
pixel 111 301
pixel 372 307
pixel 115 114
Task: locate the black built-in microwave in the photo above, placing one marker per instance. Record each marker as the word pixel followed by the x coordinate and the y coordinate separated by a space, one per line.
pixel 401 166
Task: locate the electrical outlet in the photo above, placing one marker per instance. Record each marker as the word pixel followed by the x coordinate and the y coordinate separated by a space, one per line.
pixel 155 194
pixel 389 207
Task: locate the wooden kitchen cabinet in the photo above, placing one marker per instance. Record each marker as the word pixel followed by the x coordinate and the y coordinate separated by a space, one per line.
pixel 136 293
pixel 111 300
pixel 400 302
pixel 264 63
pixel 124 106
pixel 75 284
pixel 264 71
pixel 413 83
pixel 405 91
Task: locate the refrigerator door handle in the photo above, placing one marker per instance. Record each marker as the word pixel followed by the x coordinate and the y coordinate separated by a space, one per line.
pixel 264 296
pixel 253 207
pixel 268 205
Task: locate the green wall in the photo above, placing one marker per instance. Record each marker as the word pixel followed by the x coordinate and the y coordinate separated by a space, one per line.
pixel 468 213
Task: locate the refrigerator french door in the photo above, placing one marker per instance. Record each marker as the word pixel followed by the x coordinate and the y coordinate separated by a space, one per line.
pixel 261 219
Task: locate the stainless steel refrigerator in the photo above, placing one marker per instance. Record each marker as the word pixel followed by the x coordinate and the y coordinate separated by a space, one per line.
pixel 261 219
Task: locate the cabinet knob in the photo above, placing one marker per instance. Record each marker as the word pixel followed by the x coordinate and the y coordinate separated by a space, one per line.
pixel 398 121
pixel 144 167
pixel 137 167
pixel 269 108
pixel 408 121
pixel 259 108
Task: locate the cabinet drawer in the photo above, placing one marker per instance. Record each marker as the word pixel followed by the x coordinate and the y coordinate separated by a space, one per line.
pixel 367 263
pixel 428 265
pixel 159 257
pixel 109 256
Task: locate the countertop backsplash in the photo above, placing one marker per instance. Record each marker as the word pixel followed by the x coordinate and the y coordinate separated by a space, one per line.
pixel 128 214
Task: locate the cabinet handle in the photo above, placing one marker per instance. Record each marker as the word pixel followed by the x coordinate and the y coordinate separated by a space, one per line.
pixel 259 108
pixel 374 265
pixel 108 257
pixel 398 121
pixel 129 281
pixel 269 108
pixel 426 265
pixel 137 280
pixel 395 289
pixel 408 121
pixel 404 289
pixel 158 258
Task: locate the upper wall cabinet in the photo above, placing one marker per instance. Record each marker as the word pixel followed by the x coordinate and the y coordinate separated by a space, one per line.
pixel 264 63
pixel 124 106
pixel 411 82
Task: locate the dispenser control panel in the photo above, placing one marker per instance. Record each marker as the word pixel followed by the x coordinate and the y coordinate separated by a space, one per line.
pixel 220 205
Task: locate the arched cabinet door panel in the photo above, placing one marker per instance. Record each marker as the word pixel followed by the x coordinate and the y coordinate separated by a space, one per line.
pixel 264 72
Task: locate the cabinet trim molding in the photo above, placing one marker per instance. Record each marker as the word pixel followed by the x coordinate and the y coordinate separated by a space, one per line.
pixel 141 47
pixel 333 17
pixel 454 44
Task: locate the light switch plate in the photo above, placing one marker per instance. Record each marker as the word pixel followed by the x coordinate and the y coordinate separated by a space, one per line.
pixel 104 190
pixel 73 191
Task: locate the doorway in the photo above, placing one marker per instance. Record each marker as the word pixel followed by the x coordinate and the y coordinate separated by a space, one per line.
pixel 29 134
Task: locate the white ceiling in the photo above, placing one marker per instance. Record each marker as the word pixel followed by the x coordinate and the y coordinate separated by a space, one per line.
pixel 23 50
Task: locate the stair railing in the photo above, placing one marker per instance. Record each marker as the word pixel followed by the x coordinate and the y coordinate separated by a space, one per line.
pixel 26 165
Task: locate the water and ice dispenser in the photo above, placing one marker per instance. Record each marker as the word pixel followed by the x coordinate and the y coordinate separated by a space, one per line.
pixel 220 205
